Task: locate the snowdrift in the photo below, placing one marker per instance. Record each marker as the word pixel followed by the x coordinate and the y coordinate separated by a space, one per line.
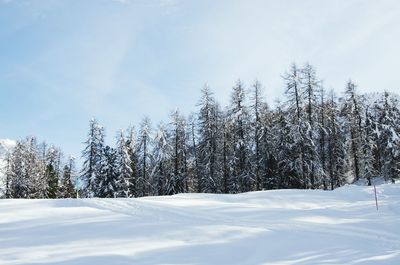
pixel 269 227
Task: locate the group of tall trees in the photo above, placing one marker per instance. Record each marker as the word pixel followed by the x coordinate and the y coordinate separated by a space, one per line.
pixel 310 140
pixel 36 171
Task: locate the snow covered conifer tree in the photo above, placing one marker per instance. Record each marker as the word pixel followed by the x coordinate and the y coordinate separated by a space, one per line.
pixel 35 169
pixel 192 158
pixel 261 158
pixel 295 105
pixel 336 145
pixel 268 160
pixel 256 105
pixel 20 183
pixel 177 181
pixel 67 189
pixel 388 133
pixel 239 117
pixel 93 157
pixel 230 183
pixel 52 174
pixel 132 149
pixel 52 178
pixel 368 141
pixel 352 112
pixel 124 163
pixel 207 145
pixel 286 145
pixel 311 86
pixel 322 147
pixel 8 174
pixel 162 167
pixel 108 179
pixel 143 181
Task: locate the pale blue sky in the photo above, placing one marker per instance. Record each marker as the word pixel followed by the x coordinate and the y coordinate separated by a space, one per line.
pixel 63 62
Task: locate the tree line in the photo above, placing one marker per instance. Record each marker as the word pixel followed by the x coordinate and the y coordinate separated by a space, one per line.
pixel 312 139
pixel 35 170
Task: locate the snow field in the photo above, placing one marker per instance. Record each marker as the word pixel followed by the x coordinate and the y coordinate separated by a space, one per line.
pixel 268 227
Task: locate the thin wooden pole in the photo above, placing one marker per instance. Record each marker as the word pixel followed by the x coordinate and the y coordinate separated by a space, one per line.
pixel 376 198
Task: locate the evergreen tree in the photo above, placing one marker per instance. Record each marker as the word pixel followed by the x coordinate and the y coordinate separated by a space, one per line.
pixel 162 162
pixel 177 180
pixel 352 111
pixel 268 159
pixel 310 87
pixel 368 146
pixel 239 117
pixel 143 181
pixel 52 179
pixel 124 164
pixel 35 170
pixel 93 157
pixel 336 145
pixel 256 106
pixel 388 133
pixel 19 181
pixel 132 149
pixel 108 179
pixel 287 146
pixel 52 173
pixel 192 158
pixel 294 109
pixel 67 187
pixel 323 131
pixel 8 174
pixel 230 183
pixel 207 144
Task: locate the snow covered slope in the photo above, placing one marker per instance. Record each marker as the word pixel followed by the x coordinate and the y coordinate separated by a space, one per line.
pixel 271 227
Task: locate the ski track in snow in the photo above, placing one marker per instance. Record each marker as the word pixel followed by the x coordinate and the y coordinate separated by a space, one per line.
pixel 271 227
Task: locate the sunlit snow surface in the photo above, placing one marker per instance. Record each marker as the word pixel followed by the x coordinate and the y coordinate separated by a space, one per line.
pixel 271 227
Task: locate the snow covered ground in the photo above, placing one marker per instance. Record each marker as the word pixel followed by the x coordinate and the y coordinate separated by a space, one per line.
pixel 271 227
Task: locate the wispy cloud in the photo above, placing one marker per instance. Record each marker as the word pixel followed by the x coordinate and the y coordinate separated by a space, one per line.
pixel 121 1
pixel 122 59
